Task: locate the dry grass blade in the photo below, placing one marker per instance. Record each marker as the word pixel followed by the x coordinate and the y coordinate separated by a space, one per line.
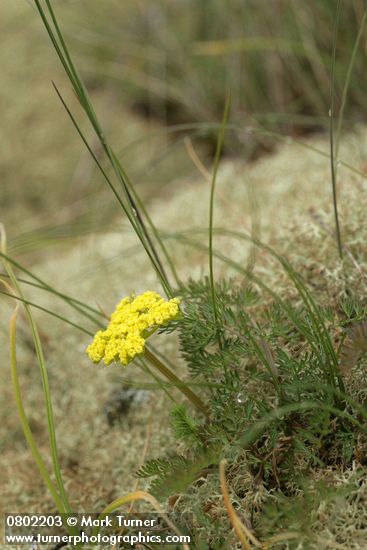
pixel 140 495
pixel 243 533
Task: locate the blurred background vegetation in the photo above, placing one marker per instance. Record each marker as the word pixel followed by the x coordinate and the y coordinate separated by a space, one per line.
pixel 174 60
pixel 158 72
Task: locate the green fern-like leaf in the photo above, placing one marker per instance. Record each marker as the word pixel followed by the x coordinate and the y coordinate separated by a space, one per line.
pixel 183 425
pixel 180 477
pixel 161 466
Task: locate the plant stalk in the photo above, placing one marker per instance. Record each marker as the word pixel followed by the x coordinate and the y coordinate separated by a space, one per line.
pixel 195 400
pixel 334 159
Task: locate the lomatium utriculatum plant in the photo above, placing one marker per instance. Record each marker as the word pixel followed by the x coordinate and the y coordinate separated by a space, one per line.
pixel 272 369
pixel 134 320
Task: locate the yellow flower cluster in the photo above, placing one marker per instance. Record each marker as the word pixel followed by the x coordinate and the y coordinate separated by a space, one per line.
pixel 133 320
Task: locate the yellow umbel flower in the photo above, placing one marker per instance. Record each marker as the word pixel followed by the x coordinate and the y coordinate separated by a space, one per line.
pixel 132 322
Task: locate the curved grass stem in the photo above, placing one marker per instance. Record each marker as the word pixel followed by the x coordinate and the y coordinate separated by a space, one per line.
pixel 23 417
pixel 44 378
pixel 218 153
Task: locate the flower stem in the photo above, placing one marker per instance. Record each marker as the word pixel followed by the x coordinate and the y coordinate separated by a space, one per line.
pixel 195 400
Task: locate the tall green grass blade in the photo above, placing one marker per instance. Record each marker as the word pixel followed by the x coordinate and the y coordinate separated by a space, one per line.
pixel 129 206
pixel 78 305
pixel 23 417
pixel 332 156
pixel 153 228
pixel 131 215
pixel 218 153
pixel 347 85
pixel 50 312
pixel 44 377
